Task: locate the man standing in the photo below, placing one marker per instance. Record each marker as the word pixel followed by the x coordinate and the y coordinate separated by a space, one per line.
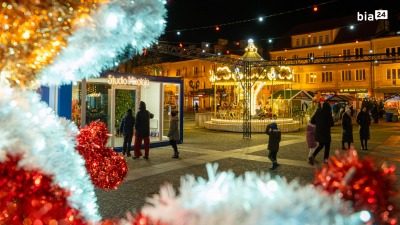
pixel 142 127
pixel 323 122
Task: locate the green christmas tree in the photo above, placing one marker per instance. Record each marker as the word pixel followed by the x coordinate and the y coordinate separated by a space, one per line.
pixel 125 99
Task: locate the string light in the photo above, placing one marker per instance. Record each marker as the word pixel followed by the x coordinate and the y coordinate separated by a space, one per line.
pixel 253 19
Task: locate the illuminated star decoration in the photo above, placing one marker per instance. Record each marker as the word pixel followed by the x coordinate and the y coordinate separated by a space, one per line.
pixel 368 186
pixel 111 34
pixel 107 168
pixel 32 33
pixel 46 143
pixel 251 199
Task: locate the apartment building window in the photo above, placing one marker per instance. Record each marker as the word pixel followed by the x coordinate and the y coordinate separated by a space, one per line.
pixel 346 53
pixel 297 42
pixel 195 70
pixel 320 39
pixel 303 41
pixel 203 69
pixel 296 77
pixel 314 40
pixel 327 54
pixel 392 51
pixel 310 57
pixel 279 58
pixel 388 74
pixel 326 77
pixel 398 73
pixel 308 41
pixel 178 72
pixel 311 78
pixel 214 68
pixel 326 38
pixel 360 75
pixel 358 52
pixel 295 56
pixel 346 75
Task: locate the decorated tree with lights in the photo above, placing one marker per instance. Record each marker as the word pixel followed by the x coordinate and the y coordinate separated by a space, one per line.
pixel 124 100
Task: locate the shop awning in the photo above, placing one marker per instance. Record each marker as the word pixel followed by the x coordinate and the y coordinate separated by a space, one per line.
pixel 340 98
pixel 292 94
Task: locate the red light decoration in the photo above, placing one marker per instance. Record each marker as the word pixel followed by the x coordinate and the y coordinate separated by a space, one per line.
pixel 367 186
pixel 30 197
pixel 107 168
pixel 315 8
pixel 217 28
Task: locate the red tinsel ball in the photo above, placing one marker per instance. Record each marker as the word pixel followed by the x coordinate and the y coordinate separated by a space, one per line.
pixel 367 186
pixel 29 197
pixel 107 168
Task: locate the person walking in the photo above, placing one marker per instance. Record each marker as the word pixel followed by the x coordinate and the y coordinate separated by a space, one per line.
pixel 364 120
pixel 273 144
pixel 323 122
pixel 126 128
pixel 196 107
pixel 173 133
pixel 310 138
pixel 347 129
pixel 142 127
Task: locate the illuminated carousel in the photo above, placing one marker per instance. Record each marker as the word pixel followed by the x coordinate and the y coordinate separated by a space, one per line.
pixel 228 110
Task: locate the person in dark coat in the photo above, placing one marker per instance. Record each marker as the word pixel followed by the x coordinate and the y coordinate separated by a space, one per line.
pixel 173 133
pixel 323 122
pixel 364 120
pixel 375 113
pixel 347 129
pixel 142 127
pixel 126 128
pixel 273 143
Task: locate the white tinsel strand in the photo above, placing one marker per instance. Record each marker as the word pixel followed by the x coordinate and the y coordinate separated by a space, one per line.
pixel 29 127
pixel 248 200
pixel 97 44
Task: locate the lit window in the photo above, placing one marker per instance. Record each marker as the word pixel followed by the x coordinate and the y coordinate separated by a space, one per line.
pixel 311 78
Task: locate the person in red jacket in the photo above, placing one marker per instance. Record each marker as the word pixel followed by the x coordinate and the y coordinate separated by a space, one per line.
pixel 142 127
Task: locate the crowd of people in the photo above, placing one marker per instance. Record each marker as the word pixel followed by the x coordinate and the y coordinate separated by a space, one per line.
pixel 318 130
pixel 139 127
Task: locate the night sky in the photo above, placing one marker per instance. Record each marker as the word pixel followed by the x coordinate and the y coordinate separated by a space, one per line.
pixel 238 19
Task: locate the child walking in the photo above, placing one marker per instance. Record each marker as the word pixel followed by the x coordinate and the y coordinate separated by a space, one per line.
pixel 273 144
pixel 310 138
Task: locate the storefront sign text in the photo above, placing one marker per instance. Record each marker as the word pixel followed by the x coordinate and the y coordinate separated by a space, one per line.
pixel 128 81
pixel 353 90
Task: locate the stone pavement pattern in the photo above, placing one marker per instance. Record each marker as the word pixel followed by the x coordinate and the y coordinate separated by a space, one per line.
pixel 232 152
